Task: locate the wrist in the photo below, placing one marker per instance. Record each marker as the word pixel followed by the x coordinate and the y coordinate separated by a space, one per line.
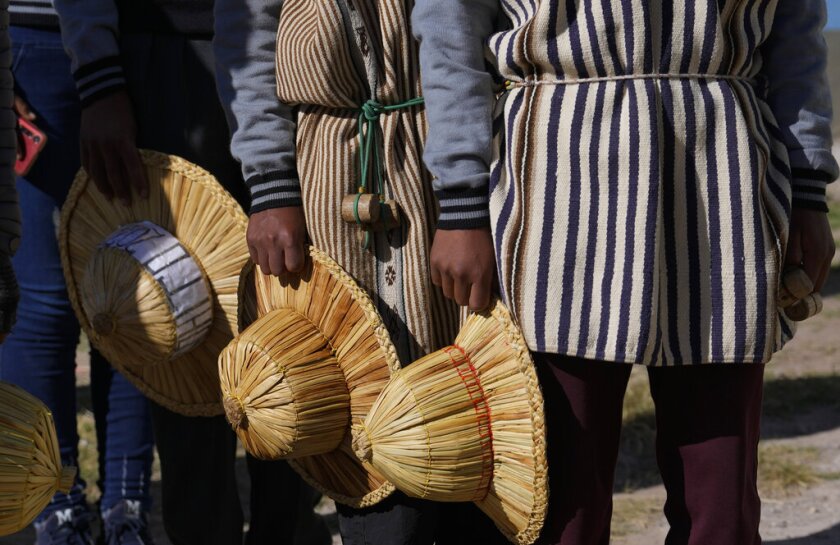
pixel 808 189
pixel 277 189
pixel 462 209
pixel 99 79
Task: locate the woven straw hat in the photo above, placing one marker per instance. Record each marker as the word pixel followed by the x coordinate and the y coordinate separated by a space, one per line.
pixel 466 423
pixel 30 465
pixel 155 284
pixel 313 362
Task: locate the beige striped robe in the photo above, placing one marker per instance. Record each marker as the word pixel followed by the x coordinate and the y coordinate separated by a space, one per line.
pixel 316 72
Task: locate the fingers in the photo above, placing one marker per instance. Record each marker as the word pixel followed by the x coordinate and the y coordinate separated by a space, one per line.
pixel 135 171
pixel 793 256
pixel 95 167
pixel 23 110
pixel 462 287
pixel 481 294
pixel 294 258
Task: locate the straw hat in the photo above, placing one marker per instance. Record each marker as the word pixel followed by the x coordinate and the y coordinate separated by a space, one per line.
pixel 30 465
pixel 155 284
pixel 466 423
pixel 313 362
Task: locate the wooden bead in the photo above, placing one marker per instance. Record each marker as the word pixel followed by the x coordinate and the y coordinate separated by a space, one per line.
pixel 368 208
pixel 797 283
pixel 389 217
pixel 806 308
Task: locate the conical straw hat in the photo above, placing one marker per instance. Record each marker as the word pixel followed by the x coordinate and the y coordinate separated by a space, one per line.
pixel 313 362
pixel 30 465
pixel 466 423
pixel 155 284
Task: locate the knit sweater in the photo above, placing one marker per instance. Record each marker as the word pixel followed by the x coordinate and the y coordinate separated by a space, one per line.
pixel 91 29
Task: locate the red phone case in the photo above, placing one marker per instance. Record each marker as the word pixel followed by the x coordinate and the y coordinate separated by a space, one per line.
pixel 33 141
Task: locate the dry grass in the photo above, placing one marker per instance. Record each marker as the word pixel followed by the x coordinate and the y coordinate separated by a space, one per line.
pixel 785 470
pixel 634 515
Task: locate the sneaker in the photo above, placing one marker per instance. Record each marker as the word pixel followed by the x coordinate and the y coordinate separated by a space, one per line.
pixel 126 524
pixel 69 526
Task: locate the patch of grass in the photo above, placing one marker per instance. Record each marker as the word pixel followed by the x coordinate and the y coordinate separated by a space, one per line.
pixel 634 515
pixel 785 470
pixel 88 462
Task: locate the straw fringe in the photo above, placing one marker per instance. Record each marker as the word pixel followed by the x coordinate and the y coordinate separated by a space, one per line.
pixel 345 315
pixel 189 203
pixel 445 422
pixel 285 395
pixel 30 464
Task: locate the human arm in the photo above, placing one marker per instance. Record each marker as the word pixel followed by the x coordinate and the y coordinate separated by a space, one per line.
pixel 263 130
pixel 90 32
pixel 794 65
pixel 459 98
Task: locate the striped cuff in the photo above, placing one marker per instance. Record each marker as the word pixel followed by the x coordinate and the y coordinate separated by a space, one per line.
pixel 99 79
pixel 463 208
pixel 278 189
pixel 808 188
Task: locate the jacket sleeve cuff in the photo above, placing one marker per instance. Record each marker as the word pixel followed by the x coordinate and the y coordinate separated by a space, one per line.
pixel 278 189
pixel 808 188
pixel 463 208
pixel 99 79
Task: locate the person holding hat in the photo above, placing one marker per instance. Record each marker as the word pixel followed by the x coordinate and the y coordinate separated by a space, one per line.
pixel 325 106
pixel 40 354
pixel 143 75
pixel 644 173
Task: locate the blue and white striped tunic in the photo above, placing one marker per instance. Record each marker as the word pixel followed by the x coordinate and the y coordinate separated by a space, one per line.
pixel 641 187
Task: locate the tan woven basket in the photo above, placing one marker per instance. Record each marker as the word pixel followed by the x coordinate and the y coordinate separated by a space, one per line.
pixel 314 360
pixel 30 465
pixel 133 309
pixel 466 423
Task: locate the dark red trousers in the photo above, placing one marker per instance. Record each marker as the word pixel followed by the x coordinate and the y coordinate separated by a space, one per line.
pixel 707 420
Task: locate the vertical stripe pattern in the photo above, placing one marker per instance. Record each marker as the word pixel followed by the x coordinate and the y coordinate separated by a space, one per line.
pixel 640 195
pixel 316 71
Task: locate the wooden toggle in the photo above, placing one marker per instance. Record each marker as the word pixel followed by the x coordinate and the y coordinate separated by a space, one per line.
pixel 795 286
pixel 808 307
pixel 369 208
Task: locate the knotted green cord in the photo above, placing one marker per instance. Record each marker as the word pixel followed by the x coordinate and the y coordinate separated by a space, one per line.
pixel 369 145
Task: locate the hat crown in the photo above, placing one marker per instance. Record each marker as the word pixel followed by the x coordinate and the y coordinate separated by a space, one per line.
pixel 145 293
pixel 284 393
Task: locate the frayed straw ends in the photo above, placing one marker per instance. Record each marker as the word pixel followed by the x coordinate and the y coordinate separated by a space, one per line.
pixel 284 393
pixel 466 424
pixel 30 465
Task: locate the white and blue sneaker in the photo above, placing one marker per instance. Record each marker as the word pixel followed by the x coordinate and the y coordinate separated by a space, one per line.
pixel 70 526
pixel 126 524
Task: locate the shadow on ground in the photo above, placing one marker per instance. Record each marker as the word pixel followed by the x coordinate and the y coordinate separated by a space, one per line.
pixel 793 406
pixel 830 536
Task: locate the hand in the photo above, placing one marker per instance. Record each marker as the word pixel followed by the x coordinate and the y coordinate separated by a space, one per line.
pixel 277 240
pixel 9 296
pixel 109 152
pixel 463 264
pixel 811 245
pixel 22 110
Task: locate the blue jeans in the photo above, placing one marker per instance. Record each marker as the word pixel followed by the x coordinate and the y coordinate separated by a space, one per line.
pixel 40 353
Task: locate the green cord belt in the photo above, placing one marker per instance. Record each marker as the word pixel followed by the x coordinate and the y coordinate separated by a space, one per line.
pixel 369 143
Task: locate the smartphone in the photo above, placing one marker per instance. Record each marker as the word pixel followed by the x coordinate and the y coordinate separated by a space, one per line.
pixel 32 140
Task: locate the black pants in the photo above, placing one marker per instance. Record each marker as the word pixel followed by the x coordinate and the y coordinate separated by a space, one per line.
pixel 707 431
pixel 170 80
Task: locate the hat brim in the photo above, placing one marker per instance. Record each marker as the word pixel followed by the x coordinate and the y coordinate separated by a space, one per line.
pixel 328 296
pixel 188 202
pixel 518 496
